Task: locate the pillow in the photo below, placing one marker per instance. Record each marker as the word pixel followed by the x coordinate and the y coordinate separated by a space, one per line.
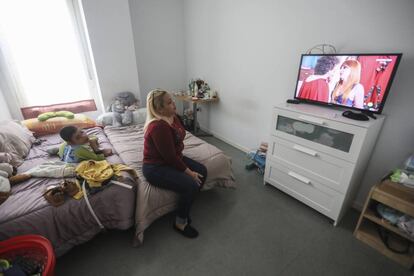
pixel 54 125
pixel 105 119
pixel 16 140
pixel 47 115
pixel 139 116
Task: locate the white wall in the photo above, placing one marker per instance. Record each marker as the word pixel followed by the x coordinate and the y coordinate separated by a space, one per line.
pixel 158 27
pixel 250 50
pixel 4 109
pixel 111 38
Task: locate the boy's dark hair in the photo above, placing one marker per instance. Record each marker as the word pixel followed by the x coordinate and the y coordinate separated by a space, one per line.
pixel 325 64
pixel 67 132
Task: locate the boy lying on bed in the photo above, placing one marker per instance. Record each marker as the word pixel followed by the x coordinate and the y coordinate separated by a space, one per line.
pixel 78 146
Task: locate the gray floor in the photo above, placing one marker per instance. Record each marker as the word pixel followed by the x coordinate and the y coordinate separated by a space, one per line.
pixel 253 230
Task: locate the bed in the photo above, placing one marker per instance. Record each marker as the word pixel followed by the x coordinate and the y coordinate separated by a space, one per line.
pixel 27 212
pixel 153 202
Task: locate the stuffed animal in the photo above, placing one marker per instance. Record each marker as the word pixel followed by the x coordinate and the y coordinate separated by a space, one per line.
pixel 8 176
pixel 122 107
pixel 6 170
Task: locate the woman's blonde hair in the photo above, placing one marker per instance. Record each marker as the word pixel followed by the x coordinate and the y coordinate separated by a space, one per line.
pixel 353 78
pixel 155 102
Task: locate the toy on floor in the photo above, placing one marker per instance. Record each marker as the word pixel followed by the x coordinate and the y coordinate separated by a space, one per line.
pixel 258 158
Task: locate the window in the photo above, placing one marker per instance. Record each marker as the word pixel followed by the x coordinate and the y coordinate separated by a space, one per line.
pixel 46 51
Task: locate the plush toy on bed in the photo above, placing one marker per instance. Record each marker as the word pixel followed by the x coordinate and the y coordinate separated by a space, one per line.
pixel 122 109
pixel 8 176
pixel 6 170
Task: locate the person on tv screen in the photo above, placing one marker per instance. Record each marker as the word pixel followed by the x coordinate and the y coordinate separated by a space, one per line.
pixel 375 74
pixel 315 87
pixel 348 91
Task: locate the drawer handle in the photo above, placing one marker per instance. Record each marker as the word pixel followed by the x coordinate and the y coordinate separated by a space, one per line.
pixel 299 177
pixel 305 150
pixel 312 120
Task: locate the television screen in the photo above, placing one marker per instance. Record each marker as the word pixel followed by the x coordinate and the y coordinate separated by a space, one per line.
pixel 357 81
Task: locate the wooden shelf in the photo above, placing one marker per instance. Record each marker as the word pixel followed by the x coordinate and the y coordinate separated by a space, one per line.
pixel 190 99
pixel 369 214
pixel 367 232
pixel 396 196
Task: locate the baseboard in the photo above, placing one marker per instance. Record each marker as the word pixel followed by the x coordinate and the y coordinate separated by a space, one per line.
pixel 224 139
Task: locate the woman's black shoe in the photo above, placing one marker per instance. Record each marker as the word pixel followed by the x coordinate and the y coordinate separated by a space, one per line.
pixel 188 231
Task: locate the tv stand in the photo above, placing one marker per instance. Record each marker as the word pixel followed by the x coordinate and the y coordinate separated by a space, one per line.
pixel 318 156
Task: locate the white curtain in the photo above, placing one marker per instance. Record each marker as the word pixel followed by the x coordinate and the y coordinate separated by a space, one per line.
pixel 41 56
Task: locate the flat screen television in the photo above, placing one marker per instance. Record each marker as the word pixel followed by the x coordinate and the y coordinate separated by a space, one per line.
pixel 355 81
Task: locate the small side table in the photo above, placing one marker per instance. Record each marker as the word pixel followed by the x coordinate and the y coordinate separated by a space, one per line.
pixel 195 102
pixel 393 195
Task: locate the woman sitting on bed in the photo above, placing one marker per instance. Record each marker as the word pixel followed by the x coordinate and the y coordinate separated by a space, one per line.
pixel 164 164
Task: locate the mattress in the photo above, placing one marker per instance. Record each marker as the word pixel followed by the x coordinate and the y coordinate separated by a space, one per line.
pixel 153 202
pixel 27 212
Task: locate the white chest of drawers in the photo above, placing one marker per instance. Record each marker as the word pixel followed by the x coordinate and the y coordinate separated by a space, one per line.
pixel 318 156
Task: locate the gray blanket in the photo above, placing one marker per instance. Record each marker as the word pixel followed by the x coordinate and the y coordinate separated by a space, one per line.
pixel 153 202
pixel 27 212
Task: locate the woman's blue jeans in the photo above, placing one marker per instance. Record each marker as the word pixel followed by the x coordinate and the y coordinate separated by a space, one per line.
pixel 167 177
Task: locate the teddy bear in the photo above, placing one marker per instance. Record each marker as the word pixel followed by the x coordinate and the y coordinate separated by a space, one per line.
pixel 122 108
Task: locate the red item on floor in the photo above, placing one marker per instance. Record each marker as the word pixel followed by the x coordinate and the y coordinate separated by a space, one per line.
pixel 33 247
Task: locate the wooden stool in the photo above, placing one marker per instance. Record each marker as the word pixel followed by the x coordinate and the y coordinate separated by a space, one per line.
pixel 393 195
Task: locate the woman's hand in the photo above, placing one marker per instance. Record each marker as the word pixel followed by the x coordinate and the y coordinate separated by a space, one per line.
pixel 195 175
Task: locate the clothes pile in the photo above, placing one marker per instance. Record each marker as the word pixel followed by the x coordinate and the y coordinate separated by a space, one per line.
pixel 396 218
pixel 79 180
pixel 405 175
pixel 96 174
